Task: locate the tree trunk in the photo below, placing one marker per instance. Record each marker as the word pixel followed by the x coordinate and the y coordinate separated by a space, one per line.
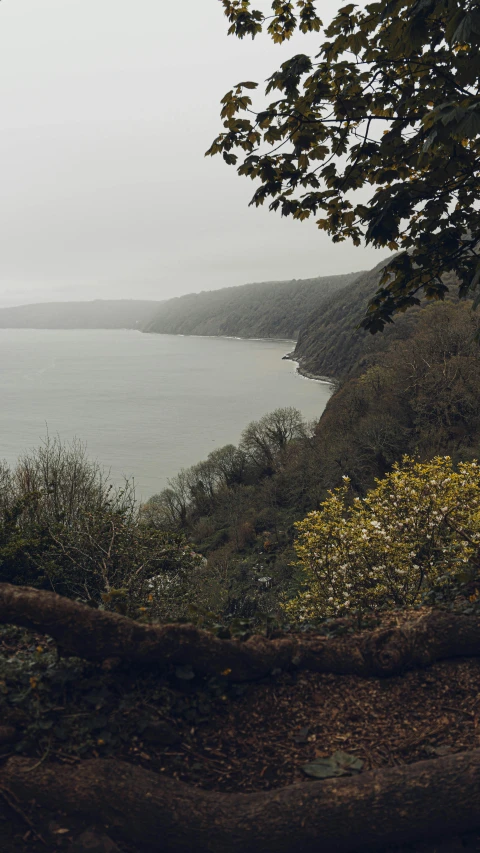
pixel 97 635
pixel 363 813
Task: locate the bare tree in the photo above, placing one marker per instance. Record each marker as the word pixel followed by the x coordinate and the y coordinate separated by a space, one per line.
pixel 265 440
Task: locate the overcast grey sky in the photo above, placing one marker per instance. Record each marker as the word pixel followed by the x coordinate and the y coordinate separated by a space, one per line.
pixel 106 110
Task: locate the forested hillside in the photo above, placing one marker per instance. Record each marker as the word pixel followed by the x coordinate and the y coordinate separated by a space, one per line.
pixel 97 314
pixel 272 309
pixel 330 342
pixel 419 395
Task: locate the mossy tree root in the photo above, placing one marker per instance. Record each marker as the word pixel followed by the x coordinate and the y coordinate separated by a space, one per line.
pixel 98 635
pixel 368 812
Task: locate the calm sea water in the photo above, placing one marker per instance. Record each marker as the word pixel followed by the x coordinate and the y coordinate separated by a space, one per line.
pixel 145 405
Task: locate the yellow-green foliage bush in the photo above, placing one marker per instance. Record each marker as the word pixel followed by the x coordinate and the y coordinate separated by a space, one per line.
pixel 418 527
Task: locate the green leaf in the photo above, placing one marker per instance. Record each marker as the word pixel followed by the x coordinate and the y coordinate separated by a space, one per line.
pixel 184 673
pixel 462 33
pixel 231 159
pixel 469 127
pixel 339 764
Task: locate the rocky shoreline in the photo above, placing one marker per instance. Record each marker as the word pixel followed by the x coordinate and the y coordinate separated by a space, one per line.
pixel 307 374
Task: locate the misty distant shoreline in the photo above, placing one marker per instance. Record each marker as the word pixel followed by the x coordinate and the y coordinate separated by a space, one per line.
pixel 269 310
pixel 94 314
pixel 279 311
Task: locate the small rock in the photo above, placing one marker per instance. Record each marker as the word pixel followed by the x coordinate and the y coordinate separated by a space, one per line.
pixel 438 750
pixel 184 673
pixel 8 734
pixel 160 733
pixel 92 842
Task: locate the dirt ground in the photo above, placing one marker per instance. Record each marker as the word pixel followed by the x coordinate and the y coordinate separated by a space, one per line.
pixel 236 737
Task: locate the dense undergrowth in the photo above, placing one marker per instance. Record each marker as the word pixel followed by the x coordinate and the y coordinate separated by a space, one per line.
pixel 69 708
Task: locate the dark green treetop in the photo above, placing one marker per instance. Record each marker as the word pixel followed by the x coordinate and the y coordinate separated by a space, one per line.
pixel 390 104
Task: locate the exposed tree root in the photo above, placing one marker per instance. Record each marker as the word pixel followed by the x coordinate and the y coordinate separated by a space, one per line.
pixel 363 813
pixel 98 635
pixel 367 812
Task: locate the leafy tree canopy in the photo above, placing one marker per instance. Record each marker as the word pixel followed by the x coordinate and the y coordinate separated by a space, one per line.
pixel 391 102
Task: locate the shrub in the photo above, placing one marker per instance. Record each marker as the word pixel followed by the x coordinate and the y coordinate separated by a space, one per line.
pixel 418 528
pixel 64 527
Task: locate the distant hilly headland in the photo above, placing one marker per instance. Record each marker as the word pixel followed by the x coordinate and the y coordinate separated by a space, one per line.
pixel 269 309
pixel 273 309
pixel 97 314
pixel 321 314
